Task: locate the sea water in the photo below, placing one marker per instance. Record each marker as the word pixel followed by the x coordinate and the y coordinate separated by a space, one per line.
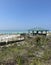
pixel 12 31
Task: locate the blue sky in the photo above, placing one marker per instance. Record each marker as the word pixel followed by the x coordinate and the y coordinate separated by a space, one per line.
pixel 25 14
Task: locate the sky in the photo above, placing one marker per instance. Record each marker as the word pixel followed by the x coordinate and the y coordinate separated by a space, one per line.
pixel 25 14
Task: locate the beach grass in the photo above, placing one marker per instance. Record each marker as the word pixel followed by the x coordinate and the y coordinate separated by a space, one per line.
pixel 31 51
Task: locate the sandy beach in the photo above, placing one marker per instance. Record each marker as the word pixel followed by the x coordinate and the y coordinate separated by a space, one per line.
pixel 12 37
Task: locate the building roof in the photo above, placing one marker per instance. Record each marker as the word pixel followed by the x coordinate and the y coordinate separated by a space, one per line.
pixel 38 29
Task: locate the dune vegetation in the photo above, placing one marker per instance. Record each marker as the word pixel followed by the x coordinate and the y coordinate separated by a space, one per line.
pixel 31 51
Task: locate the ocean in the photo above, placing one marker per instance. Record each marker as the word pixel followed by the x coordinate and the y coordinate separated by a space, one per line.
pixel 13 31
